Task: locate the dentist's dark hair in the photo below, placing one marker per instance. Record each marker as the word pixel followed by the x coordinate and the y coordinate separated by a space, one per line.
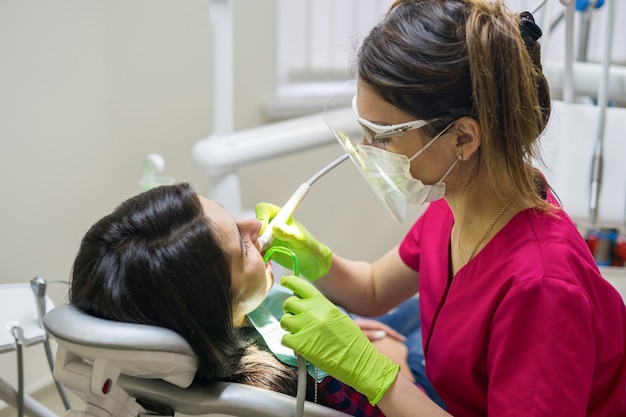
pixel 445 59
pixel 155 260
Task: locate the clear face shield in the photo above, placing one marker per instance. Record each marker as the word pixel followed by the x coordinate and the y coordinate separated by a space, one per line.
pixel 386 172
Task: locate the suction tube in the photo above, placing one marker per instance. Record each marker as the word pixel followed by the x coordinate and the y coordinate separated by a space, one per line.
pixel 302 366
pixel 294 201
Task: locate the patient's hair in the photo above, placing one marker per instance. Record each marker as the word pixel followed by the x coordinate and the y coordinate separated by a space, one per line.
pixel 155 260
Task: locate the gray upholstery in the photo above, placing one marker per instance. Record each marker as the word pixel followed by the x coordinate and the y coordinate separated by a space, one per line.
pixel 66 322
pixel 223 398
pixel 91 337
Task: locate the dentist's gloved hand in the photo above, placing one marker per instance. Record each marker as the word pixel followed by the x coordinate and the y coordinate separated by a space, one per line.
pixel 330 340
pixel 314 257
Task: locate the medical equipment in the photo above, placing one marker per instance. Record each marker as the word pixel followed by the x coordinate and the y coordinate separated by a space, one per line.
pixel 294 201
pixel 23 305
pixel 154 164
pixel 277 348
pixel 583 144
pixel 598 153
pixel 129 369
pixel 39 285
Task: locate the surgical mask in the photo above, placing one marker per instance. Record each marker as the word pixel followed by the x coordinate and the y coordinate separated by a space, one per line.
pixel 386 172
pixel 390 173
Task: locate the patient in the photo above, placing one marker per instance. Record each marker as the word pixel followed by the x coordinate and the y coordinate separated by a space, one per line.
pixel 171 258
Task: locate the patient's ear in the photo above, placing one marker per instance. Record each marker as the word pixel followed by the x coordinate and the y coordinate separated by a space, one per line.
pixel 468 136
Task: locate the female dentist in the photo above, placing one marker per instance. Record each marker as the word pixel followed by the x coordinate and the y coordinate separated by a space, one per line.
pixel 516 317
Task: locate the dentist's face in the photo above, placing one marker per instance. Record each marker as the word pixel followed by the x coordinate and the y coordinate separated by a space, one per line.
pixel 251 277
pixel 428 166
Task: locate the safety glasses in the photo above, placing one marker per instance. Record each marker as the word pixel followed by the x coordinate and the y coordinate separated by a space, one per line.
pixel 374 132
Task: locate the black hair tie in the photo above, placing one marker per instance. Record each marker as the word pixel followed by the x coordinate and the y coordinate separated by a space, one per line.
pixel 529 29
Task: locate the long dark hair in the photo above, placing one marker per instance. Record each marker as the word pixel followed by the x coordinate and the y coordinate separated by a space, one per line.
pixel 444 59
pixel 155 260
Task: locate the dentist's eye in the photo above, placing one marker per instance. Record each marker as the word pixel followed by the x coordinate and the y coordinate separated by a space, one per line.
pixel 381 142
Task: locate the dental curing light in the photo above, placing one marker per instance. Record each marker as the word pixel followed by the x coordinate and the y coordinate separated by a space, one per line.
pixel 294 201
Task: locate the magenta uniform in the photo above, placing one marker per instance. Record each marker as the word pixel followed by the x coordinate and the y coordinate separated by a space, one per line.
pixel 527 328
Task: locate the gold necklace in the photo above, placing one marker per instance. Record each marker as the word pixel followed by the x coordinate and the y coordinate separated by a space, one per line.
pixel 492 224
pixel 316 376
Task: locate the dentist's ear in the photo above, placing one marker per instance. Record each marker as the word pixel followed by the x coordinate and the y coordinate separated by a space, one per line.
pixel 468 137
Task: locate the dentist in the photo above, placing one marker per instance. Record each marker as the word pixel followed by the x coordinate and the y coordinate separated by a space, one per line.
pixel 516 318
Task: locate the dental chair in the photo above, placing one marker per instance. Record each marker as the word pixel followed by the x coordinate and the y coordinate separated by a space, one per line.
pixel 22 308
pixel 125 369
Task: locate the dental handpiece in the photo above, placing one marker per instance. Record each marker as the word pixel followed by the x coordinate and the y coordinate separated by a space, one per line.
pixel 292 204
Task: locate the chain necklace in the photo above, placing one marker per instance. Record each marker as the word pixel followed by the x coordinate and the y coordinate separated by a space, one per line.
pixel 492 224
pixel 316 376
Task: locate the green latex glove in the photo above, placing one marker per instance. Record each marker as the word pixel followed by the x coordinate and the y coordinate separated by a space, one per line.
pixel 330 340
pixel 314 257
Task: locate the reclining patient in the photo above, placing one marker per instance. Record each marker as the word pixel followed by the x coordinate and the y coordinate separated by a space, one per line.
pixel 171 258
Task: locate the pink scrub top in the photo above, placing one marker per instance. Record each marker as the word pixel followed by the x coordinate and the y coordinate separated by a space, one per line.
pixel 528 327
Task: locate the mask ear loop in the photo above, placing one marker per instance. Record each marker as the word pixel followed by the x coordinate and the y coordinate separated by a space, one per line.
pixel 302 365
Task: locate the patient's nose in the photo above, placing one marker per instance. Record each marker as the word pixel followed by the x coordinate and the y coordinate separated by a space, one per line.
pixel 251 228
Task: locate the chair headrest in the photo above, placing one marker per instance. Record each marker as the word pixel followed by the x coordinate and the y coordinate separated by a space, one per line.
pixel 150 357
pixel 137 349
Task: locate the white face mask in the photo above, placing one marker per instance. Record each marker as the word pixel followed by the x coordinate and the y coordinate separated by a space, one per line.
pixel 389 174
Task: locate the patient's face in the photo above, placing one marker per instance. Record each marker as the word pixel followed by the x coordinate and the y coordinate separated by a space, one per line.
pixel 251 277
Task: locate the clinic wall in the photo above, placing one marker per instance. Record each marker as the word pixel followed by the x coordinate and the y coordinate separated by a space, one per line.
pixel 53 132
pixel 53 143
pixel 88 88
